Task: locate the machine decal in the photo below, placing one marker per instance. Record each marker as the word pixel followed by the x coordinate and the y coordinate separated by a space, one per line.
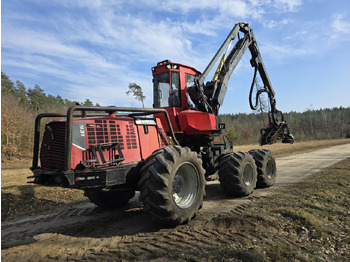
pixel 79 134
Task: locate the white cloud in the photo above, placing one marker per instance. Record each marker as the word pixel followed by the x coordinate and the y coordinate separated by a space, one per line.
pixel 40 43
pixel 339 25
pixel 236 8
pixel 90 4
pixel 276 24
pixel 287 5
pixel 280 52
pixel 206 27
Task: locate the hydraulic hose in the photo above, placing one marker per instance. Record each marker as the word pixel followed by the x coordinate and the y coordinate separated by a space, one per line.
pixel 258 93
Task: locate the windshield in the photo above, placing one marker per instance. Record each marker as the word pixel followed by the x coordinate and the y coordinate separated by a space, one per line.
pixel 164 94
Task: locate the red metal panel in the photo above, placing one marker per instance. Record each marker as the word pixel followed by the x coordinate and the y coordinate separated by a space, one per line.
pixel 164 67
pixel 77 156
pixel 148 136
pixel 173 119
pixel 196 122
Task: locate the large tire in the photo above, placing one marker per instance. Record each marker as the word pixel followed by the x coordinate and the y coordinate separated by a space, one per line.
pixel 172 185
pixel 266 167
pixel 237 174
pixel 109 199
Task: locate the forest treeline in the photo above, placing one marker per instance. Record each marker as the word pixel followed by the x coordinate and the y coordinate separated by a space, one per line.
pixel 19 107
pixel 310 125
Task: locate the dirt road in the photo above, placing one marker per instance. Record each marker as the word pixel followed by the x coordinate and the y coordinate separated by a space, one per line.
pixel 84 232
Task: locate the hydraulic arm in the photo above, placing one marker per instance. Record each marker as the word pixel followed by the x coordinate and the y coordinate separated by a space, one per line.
pixel 210 96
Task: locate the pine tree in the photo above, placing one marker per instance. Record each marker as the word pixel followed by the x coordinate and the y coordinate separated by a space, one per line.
pixel 136 91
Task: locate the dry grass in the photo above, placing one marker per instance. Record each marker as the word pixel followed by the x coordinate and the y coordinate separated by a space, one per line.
pixel 18 198
pixel 308 221
pixel 281 150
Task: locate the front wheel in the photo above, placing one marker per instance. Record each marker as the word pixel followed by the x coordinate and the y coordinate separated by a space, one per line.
pixel 237 174
pixel 172 185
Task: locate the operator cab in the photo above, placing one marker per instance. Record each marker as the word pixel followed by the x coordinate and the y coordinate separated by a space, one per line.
pixel 170 83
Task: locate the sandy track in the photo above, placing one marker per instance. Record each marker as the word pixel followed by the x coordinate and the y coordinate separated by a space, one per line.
pixel 86 232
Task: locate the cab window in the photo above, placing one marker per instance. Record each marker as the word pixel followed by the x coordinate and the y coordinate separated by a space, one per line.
pixel 161 90
pixel 175 89
pixel 189 79
pixel 166 89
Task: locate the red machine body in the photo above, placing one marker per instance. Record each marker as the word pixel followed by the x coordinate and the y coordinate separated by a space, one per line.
pixel 95 141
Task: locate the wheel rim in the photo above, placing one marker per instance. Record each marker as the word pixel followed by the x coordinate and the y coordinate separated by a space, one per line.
pixel 270 168
pixel 248 174
pixel 185 185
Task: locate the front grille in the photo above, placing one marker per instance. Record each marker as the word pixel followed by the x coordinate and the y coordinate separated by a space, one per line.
pixel 99 132
pixel 52 153
pixel 131 136
pixel 104 131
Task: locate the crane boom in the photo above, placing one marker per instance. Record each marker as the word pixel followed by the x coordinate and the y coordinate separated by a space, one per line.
pixel 210 96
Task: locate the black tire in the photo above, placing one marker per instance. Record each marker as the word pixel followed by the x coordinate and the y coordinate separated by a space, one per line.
pixel 266 167
pixel 109 199
pixel 172 185
pixel 237 174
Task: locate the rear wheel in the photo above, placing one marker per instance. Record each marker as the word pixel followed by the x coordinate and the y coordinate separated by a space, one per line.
pixel 266 167
pixel 172 185
pixel 237 174
pixel 109 199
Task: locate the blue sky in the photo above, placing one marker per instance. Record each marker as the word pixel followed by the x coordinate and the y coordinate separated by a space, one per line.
pixel 94 49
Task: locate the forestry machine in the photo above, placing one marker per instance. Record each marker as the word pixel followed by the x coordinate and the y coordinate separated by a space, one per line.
pixel 166 152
